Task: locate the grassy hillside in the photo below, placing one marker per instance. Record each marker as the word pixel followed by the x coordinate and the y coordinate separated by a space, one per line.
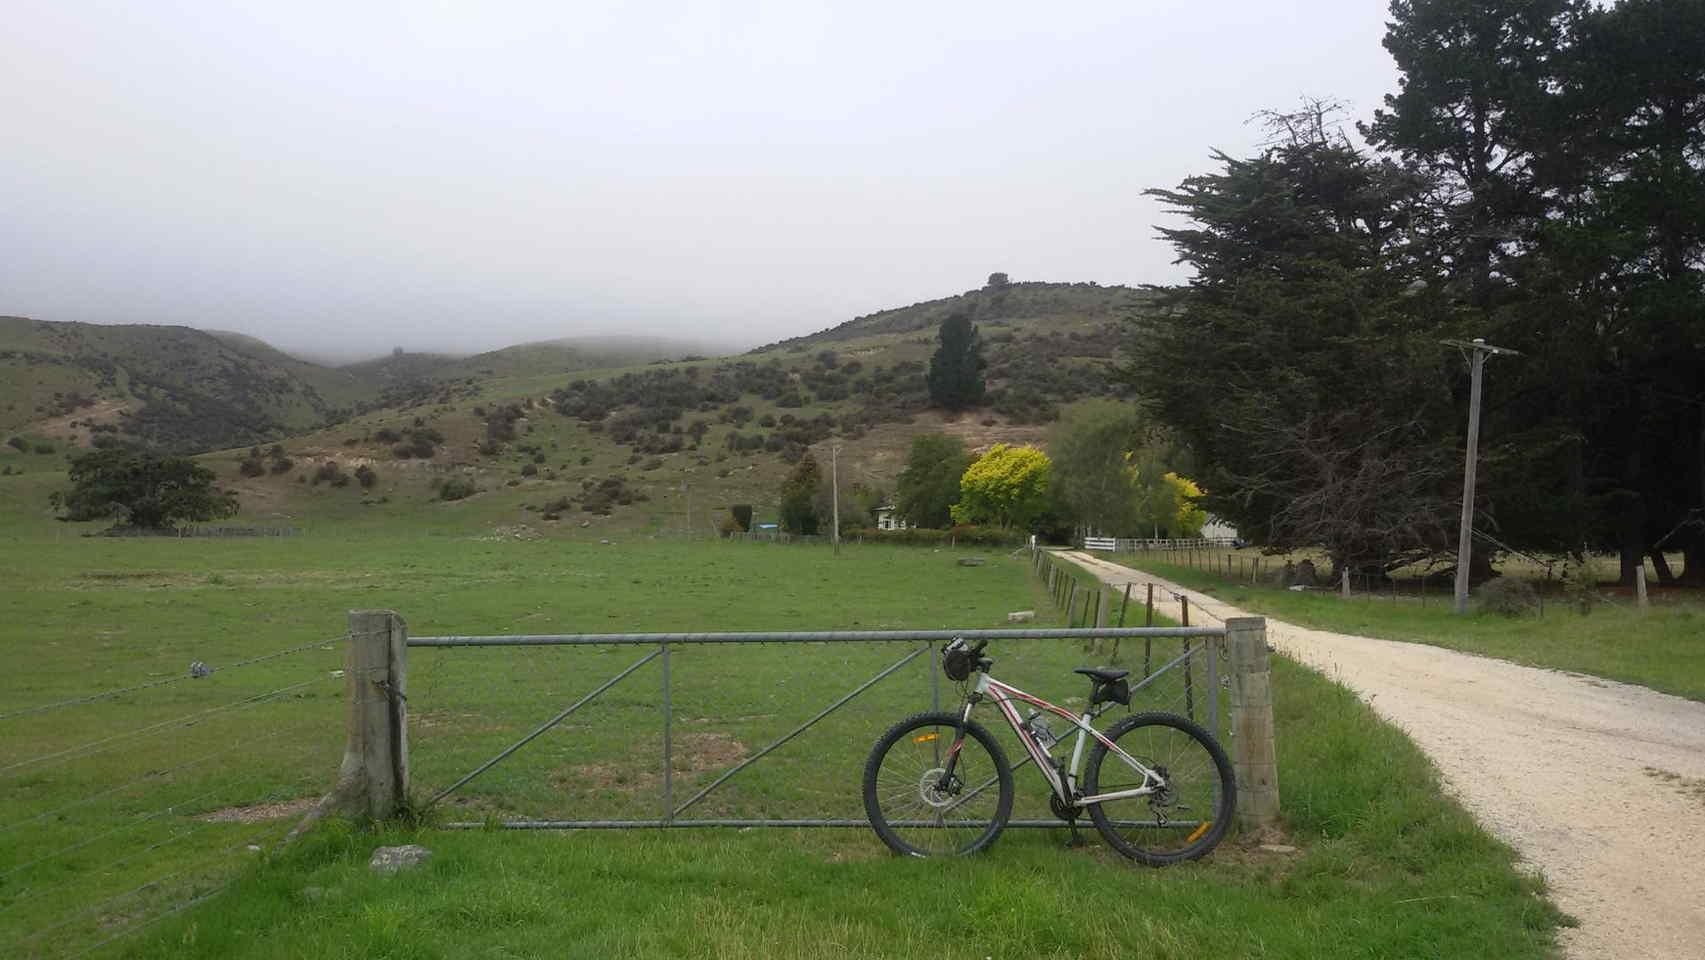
pixel 660 445
pixel 664 446
pixel 172 387
pixel 402 375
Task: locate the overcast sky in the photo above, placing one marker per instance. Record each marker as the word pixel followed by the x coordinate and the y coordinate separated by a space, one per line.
pixel 339 177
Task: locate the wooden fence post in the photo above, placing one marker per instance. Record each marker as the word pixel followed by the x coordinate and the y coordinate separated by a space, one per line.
pixel 372 783
pixel 1253 757
pixel 1640 599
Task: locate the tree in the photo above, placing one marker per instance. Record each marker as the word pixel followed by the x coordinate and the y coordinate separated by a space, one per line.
pixel 742 514
pixel 1472 113
pixel 927 489
pixel 1095 449
pixel 998 280
pixel 1008 487
pixel 956 370
pixel 1303 356
pixel 142 490
pixel 798 493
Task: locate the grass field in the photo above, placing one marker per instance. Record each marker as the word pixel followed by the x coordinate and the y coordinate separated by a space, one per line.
pixel 104 808
pixel 1658 647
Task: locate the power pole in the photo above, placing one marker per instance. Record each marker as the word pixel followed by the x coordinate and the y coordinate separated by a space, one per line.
pixel 1476 351
pixel 835 492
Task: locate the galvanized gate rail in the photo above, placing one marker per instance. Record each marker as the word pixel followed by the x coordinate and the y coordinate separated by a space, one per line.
pixel 662 642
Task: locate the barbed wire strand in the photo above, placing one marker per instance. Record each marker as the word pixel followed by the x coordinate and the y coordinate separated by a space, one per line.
pixel 190 719
pixel 143 925
pixel 218 855
pixel 198 827
pixel 129 824
pixel 151 775
pixel 106 694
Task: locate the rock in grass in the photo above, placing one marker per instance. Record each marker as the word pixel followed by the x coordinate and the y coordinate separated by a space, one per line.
pixel 389 860
pixel 971 561
pixel 1021 616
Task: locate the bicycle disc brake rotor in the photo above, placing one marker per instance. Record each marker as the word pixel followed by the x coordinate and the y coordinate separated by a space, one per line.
pixel 929 788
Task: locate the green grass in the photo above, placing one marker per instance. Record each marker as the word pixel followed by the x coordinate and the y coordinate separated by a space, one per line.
pixel 1388 868
pixel 1657 648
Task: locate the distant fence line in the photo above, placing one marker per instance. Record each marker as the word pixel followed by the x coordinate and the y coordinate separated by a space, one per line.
pixel 253 531
pixel 1134 544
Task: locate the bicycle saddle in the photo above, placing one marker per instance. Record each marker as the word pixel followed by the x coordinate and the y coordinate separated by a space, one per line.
pixel 1103 674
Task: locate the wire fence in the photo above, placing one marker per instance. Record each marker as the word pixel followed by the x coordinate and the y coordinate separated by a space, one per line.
pixel 127 805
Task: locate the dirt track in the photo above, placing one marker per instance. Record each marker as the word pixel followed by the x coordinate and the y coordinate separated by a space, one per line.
pixel 1599 785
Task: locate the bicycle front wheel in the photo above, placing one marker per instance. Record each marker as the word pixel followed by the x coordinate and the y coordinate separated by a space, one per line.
pixel 916 808
pixel 1188 816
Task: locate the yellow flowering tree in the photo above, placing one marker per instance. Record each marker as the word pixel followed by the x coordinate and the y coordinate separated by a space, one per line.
pixel 1007 487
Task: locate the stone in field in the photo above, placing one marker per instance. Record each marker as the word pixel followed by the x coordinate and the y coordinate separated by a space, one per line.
pixel 389 860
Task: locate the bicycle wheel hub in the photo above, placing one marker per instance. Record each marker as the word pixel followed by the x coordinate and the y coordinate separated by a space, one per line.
pixel 931 791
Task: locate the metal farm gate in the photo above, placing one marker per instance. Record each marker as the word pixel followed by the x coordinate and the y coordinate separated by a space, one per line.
pixel 1185 678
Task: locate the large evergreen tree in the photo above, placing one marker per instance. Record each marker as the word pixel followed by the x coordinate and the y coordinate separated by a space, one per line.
pixel 956 369
pixel 1301 364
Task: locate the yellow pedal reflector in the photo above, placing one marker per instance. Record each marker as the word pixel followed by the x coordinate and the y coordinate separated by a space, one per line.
pixel 1196 834
pixel 926 738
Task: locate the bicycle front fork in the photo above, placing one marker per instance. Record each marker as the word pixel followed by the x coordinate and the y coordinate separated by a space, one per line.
pixel 958 741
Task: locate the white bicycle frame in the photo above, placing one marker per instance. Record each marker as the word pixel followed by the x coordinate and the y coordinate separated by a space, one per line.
pixel 1004 695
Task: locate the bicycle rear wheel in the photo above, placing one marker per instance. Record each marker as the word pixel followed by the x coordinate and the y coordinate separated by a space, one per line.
pixel 913 812
pixel 1181 822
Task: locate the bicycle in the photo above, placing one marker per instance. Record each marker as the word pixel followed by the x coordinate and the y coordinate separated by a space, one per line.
pixel 1166 796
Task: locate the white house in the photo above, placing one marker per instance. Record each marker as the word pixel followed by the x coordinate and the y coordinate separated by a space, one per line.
pixel 888 518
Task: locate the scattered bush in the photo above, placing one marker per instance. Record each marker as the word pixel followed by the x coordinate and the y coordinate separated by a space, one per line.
pixel 252 467
pixel 43 447
pixel 282 465
pixel 366 476
pixel 529 470
pixel 329 472
pixel 1508 596
pixel 457 488
pixel 742 515
pixel 19 444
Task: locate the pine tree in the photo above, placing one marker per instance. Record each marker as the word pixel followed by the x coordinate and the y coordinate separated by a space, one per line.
pixel 956 369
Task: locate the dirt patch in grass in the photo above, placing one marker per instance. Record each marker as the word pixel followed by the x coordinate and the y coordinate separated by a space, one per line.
pixel 692 753
pixel 261 812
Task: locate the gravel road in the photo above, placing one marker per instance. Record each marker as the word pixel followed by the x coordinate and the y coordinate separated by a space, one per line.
pixel 1598 785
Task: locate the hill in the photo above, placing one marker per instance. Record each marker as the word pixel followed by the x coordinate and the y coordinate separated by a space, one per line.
pixel 402 375
pixel 166 386
pixel 193 390
pixel 670 445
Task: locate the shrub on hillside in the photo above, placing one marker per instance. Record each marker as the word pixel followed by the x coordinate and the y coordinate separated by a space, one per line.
pixel 329 472
pixel 19 444
pixel 1507 596
pixel 529 470
pixel 457 488
pixel 366 476
pixel 282 465
pixel 44 447
pixel 251 467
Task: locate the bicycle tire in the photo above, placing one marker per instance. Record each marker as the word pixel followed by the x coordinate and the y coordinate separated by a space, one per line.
pixel 896 835
pixel 1163 844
